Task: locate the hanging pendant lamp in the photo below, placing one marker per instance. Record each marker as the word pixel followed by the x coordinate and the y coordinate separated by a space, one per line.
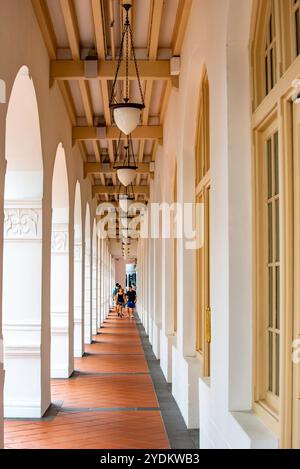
pixel 125 113
pixel 125 162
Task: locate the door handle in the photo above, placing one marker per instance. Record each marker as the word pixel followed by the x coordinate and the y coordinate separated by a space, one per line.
pixel 208 325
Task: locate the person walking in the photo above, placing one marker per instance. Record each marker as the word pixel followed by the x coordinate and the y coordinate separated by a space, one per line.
pixel 115 291
pixel 131 301
pixel 120 301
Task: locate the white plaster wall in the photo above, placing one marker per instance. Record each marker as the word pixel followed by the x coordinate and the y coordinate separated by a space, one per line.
pixel 217 36
pixel 120 271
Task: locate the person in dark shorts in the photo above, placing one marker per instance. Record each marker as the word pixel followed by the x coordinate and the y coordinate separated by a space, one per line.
pixel 131 301
pixel 120 302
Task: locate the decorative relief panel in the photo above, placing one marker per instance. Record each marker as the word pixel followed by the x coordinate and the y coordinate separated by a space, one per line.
pixel 78 252
pixel 60 239
pixel 21 223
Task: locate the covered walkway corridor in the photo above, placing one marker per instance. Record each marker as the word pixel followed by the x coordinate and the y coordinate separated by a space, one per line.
pixel 152 144
pixel 110 401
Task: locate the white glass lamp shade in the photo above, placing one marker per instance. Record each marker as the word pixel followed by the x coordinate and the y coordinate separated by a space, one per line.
pixel 127 117
pixel 126 175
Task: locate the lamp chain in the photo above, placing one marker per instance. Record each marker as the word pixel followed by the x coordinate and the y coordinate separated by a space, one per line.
pixel 125 38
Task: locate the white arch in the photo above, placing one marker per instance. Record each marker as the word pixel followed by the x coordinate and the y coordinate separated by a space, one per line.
pixel 87 280
pixel 26 382
pixel 78 275
pixel 24 177
pixel 61 324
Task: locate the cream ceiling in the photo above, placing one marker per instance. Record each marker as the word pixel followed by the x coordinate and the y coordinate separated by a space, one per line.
pixel 73 29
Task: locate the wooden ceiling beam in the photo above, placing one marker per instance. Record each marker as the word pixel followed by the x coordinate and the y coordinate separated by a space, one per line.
pixel 107 168
pixel 69 14
pixel 150 132
pixel 99 29
pixel 43 17
pixel 115 190
pixel 74 70
pixel 183 12
pixel 86 100
pixel 67 97
pixel 112 29
pixel 157 11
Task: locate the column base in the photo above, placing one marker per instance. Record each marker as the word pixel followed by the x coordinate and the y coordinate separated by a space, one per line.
pixel 156 332
pixel 185 385
pixel 23 409
pixel 1 406
pixel 166 344
pixel 60 373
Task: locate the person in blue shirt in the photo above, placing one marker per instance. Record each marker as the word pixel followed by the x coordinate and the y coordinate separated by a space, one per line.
pixel 131 301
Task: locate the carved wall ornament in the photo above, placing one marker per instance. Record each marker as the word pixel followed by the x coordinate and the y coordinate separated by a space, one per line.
pixel 78 252
pixel 60 242
pixel 21 223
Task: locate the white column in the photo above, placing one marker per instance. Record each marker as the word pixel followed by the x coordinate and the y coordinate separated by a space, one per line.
pixel 102 282
pixel 157 296
pixel 152 292
pixel 87 295
pixel 98 306
pixel 22 303
pixel 167 307
pixel 60 314
pixel 78 301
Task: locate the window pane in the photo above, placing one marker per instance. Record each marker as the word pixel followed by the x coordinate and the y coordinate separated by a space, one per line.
pixel 270 297
pixel 270 232
pixel 277 365
pixel 276 163
pixel 277 298
pixel 269 163
pixel 277 227
pixel 272 68
pixel 266 74
pixel 270 361
pixel 297 31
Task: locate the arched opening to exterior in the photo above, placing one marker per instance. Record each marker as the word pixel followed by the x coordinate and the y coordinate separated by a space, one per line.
pixel 25 383
pixel 94 281
pixel 87 281
pixel 78 276
pixel 61 330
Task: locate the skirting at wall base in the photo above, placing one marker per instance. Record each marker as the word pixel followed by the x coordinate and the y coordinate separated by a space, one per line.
pixel 239 430
pixel 156 340
pixel 185 376
pixel 1 405
pixel 60 373
pixel 22 409
pixel 166 343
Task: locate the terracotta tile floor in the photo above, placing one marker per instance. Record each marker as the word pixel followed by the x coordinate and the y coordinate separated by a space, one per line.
pixel 89 406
